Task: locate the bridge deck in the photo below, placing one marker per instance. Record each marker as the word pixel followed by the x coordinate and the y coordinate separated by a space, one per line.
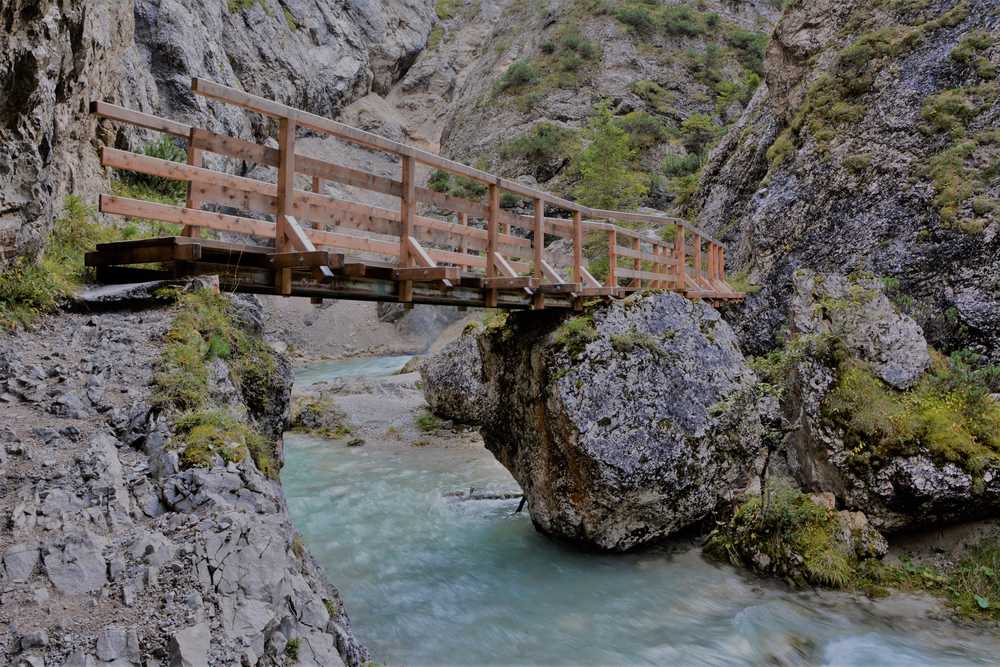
pixel 251 269
pixel 440 247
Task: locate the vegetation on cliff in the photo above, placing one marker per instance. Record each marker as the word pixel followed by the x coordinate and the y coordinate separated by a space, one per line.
pixel 206 328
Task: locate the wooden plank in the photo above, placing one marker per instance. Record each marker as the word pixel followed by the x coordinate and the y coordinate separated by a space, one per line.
pixel 168 252
pixel 492 230
pixel 642 255
pixel 503 266
pixel 680 259
pixel 538 248
pixel 509 282
pixel 195 160
pixel 558 288
pixel 407 212
pixel 645 275
pixel 551 274
pixel 597 291
pixel 302 260
pixel 320 124
pixel 428 273
pixel 589 280
pixel 453 203
pixel 112 157
pixel 578 269
pixel 287 232
pixel 139 119
pixel 613 257
pixel 318 169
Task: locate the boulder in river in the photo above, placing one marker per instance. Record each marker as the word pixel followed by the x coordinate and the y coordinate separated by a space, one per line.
pixel 626 423
pixel 453 379
pixel 906 435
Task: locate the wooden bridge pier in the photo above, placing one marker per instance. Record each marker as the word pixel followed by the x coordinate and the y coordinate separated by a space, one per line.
pixel 328 247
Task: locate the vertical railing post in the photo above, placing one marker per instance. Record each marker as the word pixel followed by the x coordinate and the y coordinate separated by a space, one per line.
pixel 713 263
pixel 463 219
pixel 286 196
pixel 578 248
pixel 637 263
pixel 317 184
pixel 491 242
pixel 657 267
pixel 193 200
pixel 722 263
pixel 680 256
pixel 613 257
pixel 538 249
pixel 697 258
pixel 407 213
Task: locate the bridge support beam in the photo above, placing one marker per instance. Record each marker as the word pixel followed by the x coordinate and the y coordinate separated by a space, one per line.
pixel 407 211
pixel 286 198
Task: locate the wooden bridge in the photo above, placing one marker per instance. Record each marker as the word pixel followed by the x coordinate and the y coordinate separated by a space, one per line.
pixel 435 248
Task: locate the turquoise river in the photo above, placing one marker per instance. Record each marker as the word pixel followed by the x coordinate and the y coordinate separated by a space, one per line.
pixel 431 581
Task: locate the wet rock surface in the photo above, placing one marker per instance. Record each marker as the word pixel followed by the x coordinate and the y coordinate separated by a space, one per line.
pixel 112 553
pixel 626 424
pixel 453 380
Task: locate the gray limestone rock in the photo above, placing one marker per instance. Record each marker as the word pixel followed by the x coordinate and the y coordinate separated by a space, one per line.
pixel 453 380
pixel 626 424
pixel 189 647
pixel 19 562
pixel 858 313
pixel 74 563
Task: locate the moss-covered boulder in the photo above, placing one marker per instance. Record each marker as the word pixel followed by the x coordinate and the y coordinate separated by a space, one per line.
pixel 798 537
pixel 623 424
pixel 908 447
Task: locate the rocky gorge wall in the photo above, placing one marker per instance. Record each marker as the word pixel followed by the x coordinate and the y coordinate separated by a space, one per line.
pixel 871 148
pixel 141 535
pixel 56 57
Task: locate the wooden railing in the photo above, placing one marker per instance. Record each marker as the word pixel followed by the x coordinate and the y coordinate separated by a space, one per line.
pixel 428 248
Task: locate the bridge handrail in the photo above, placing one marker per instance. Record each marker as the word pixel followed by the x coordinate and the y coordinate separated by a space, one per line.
pixel 670 268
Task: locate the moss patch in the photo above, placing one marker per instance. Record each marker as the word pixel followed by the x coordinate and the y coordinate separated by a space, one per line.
pixel 320 417
pixel 789 536
pixel 948 414
pixel 205 328
pixel 575 334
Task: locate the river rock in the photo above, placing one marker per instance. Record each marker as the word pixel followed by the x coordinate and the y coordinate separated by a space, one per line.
pixel 453 380
pixel 859 314
pixel 625 424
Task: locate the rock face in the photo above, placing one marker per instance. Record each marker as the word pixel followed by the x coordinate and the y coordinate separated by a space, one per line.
pixel 849 160
pixel 453 380
pixel 113 553
pixel 311 55
pixel 624 425
pixel 902 487
pixel 858 313
pixel 54 59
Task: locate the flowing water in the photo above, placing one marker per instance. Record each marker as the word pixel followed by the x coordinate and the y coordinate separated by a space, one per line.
pixel 430 580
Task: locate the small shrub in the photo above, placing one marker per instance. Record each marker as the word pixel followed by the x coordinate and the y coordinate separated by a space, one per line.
pixel 636 18
pixel 644 130
pixel 544 147
pixel 575 334
pixel 795 537
pixel 428 423
pixel 293 645
pixel 164 149
pixel 31 287
pixel 698 131
pixel 949 111
pixel 681 165
pixel 682 20
pixel 520 74
pixel 653 94
pixel 750 47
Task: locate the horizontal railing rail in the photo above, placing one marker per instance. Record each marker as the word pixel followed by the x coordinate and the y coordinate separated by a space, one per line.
pixel 690 261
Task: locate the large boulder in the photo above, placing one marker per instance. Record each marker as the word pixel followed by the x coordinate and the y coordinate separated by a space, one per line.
pixel 859 314
pixel 623 424
pixel 453 380
pixel 908 439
